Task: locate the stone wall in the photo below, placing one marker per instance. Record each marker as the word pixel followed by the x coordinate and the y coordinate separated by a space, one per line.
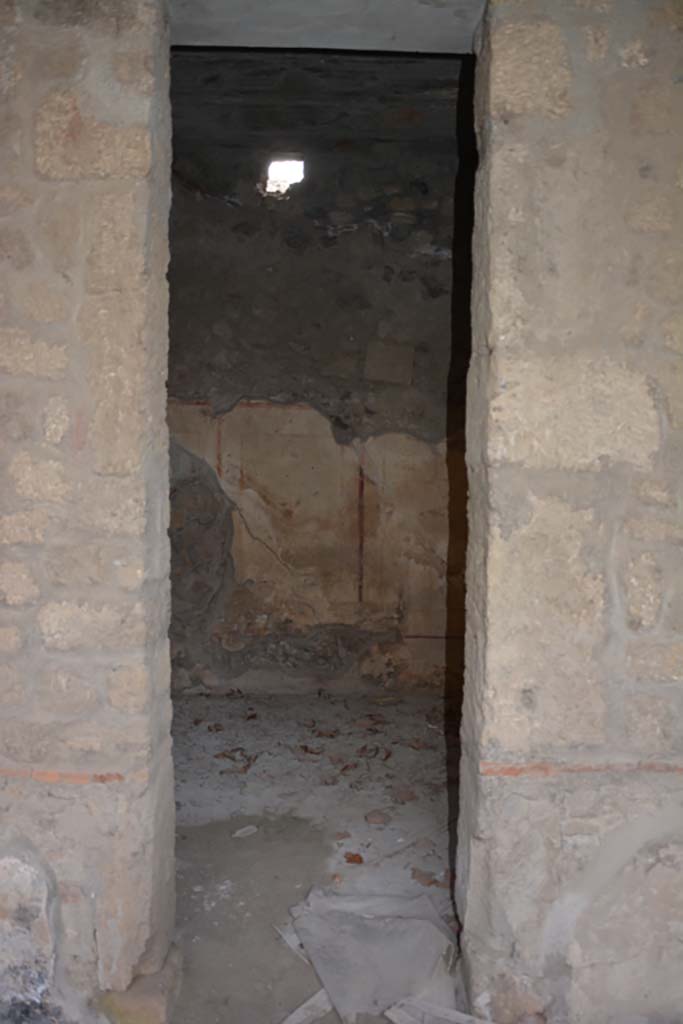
pixel 311 342
pixel 86 803
pixel 571 832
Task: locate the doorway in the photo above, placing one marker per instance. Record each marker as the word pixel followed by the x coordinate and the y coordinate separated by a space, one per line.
pixel 319 342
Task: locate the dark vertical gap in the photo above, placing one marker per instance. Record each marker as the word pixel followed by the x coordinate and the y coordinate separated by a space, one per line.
pixel 461 347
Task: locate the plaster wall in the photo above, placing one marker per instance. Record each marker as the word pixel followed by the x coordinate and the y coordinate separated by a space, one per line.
pixel 571 829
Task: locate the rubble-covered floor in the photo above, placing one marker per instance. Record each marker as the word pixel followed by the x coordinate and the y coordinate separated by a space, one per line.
pixel 276 794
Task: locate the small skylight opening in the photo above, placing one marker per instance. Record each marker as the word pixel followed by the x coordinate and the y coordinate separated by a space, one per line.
pixel 282 174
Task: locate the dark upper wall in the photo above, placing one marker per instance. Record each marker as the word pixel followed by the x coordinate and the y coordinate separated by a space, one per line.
pixel 340 295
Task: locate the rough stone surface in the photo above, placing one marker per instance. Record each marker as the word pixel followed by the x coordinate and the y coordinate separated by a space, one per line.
pixel 150 999
pixel 17 585
pixel 39 479
pixel 530 70
pixel 571 412
pixel 339 295
pixel 27 924
pixel 643 591
pixel 85 771
pixel 21 355
pixel 69 145
pixel 570 820
pixel 548 696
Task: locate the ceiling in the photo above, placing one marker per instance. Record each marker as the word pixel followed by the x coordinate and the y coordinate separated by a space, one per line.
pixel 409 26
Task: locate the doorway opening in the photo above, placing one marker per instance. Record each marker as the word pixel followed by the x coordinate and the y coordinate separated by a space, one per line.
pixel 319 342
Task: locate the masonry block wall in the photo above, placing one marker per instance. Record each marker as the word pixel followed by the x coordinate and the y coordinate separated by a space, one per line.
pixel 86 803
pixel 310 350
pixel 571 832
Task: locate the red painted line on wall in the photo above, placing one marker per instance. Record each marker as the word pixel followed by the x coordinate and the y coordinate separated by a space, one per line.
pixel 196 403
pixel 263 403
pixel 361 529
pixel 544 769
pixel 63 778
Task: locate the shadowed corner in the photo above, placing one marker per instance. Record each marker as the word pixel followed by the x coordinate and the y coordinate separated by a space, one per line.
pixel 461 346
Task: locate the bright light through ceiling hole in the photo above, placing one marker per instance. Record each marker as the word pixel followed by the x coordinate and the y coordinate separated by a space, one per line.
pixel 282 174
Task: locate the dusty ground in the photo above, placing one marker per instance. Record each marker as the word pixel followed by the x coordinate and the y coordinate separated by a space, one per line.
pixel 304 771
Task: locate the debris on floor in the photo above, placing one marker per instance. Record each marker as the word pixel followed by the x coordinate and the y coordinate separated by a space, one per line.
pixel 313 1009
pixel 418 1011
pixel 242 833
pixel 344 817
pixel 374 955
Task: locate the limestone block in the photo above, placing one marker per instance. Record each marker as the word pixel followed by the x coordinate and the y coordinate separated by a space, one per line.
pixel 625 970
pixel 572 412
pixel 113 506
pixel 12 144
pixel 655 492
pixel 24 527
pixel 670 379
pixel 16 421
pixel 56 420
pixel 24 742
pixel 96 15
pixel 653 214
pixel 134 71
pixel 136 909
pixel 27 926
pixel 10 639
pixel 597 43
pixel 39 479
pixel 556 871
pixel 43 298
pixel 655 531
pixel 21 355
pixel 115 258
pixel 62 59
pixel 128 688
pixel 150 999
pixel 12 689
pixel 642 582
pixel 15 248
pixel 111 327
pixel 71 145
pixel 67 625
pixel 88 564
pixel 78 953
pixel 654 106
pixel 653 725
pixel 673 332
pixel 63 693
pixel 656 662
pixel 546 629
pixel 17 585
pixel 58 229
pixel 14 198
pixel 664 275
pixel 530 71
